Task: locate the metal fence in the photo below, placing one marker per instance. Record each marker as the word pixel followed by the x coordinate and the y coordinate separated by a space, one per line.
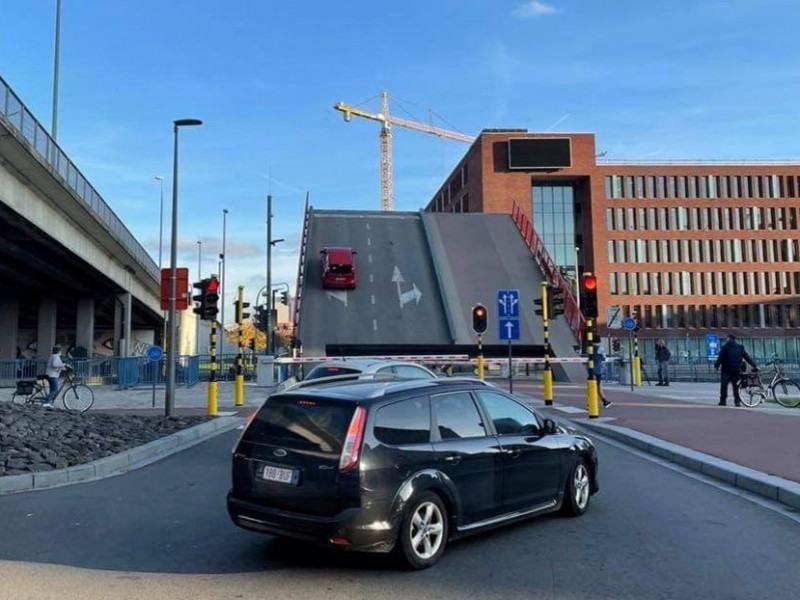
pixel 123 372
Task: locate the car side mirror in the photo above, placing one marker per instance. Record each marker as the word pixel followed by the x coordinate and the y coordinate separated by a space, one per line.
pixel 550 427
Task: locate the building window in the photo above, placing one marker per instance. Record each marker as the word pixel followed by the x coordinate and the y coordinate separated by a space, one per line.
pixel 640 186
pixel 692 186
pixel 662 184
pixel 611 253
pixel 672 191
pixel 610 219
pixel 629 186
pixel 682 187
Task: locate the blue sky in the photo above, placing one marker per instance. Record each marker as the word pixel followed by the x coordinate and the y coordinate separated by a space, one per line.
pixel 654 80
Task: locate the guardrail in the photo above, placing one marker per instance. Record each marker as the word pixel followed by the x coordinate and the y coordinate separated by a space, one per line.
pixel 39 143
pixel 298 300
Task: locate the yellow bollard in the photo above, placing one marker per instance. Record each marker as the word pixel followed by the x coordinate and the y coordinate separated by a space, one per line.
pixel 592 403
pixel 211 399
pixel 238 391
pixel 637 370
pixel 481 371
pixel 547 380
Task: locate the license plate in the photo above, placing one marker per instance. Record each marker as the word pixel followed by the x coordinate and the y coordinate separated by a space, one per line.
pixel 271 473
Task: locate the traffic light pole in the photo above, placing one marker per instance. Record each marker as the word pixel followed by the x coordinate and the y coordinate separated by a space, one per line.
pixel 481 373
pixel 592 403
pixel 636 363
pixel 238 395
pixel 547 377
pixel 211 397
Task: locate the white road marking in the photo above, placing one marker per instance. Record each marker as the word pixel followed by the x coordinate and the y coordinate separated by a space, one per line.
pixel 340 296
pixel 369 258
pixel 367 225
pixel 371 278
pixel 375 324
pixel 372 299
pixel 369 241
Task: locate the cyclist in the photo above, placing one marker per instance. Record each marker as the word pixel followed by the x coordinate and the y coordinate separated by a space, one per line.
pixel 732 356
pixel 54 367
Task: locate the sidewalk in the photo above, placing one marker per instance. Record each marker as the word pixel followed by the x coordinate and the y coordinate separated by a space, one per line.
pixel 758 447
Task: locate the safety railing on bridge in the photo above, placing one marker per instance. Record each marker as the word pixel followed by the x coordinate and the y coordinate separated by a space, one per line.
pixel 298 301
pixel 549 269
pixel 29 131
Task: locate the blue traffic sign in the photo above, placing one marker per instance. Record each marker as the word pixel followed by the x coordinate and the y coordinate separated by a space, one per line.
pixel 509 329
pixel 629 323
pixel 155 353
pixel 508 303
pixel 712 346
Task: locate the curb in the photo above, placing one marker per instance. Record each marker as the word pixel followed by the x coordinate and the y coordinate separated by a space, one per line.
pixel 769 486
pixel 131 459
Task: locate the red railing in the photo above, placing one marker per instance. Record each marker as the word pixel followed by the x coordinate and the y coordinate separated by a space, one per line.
pixel 549 269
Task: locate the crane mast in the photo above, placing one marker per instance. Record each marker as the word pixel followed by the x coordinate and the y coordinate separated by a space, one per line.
pixel 385 138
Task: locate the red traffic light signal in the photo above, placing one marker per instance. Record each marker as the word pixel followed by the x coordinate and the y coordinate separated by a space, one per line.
pixel 479 318
pixel 589 299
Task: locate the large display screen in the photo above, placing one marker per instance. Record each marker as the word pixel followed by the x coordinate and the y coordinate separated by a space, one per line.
pixel 539 153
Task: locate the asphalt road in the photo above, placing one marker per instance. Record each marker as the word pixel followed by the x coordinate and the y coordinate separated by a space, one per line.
pixel 162 532
pixel 396 300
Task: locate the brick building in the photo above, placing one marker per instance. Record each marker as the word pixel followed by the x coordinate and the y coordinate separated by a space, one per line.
pixel 688 247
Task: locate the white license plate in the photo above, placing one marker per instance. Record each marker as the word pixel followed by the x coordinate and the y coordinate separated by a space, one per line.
pixel 277 474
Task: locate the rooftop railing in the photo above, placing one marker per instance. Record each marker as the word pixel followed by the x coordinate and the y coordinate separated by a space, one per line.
pixel 29 131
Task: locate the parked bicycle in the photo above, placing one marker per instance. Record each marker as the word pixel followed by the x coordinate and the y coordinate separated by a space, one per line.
pixel 783 389
pixel 76 395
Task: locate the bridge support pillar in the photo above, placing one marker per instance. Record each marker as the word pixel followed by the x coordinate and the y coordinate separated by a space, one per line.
pixel 46 338
pixel 84 325
pixel 122 324
pixel 9 325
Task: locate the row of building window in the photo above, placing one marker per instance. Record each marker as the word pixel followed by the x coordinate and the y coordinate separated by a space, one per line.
pixel 685 283
pixel 703 251
pixel 665 316
pixel 681 218
pixel 701 186
pixel 450 190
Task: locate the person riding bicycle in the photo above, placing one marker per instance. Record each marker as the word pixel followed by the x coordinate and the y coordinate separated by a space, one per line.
pixel 54 367
pixel 732 356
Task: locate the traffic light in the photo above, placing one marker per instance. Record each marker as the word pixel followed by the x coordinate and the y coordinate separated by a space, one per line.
pixel 261 318
pixel 543 304
pixel 616 345
pixel 285 298
pixel 589 292
pixel 207 299
pixel 239 307
pixel 479 318
pixel 555 297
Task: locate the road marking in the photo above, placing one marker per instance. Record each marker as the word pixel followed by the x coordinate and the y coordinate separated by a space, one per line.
pixel 340 296
pixel 367 225
pixel 405 297
pixel 369 258
pixel 369 241
pixel 372 299
pixel 375 324
pixel 371 278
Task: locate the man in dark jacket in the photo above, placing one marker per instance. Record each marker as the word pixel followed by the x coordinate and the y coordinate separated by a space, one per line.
pixel 730 360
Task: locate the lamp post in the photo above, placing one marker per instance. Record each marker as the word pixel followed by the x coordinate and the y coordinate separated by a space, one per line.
pixel 199 278
pixel 169 397
pixel 222 271
pixel 160 180
pixel 577 281
pixel 56 58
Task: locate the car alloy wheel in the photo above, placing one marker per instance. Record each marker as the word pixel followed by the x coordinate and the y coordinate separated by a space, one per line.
pixel 423 533
pixel 576 492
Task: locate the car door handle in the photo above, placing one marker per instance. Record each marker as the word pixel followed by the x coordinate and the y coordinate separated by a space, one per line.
pixel 453 459
pixel 512 452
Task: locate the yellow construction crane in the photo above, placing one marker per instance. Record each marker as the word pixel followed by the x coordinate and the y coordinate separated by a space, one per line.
pixel 385 136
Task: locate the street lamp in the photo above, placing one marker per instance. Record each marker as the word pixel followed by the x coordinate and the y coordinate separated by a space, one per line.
pixel 160 180
pixel 222 270
pixel 271 338
pixel 56 59
pixel 169 397
pixel 199 278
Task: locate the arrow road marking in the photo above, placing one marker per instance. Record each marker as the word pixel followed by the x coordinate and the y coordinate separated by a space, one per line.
pixel 412 294
pixel 340 296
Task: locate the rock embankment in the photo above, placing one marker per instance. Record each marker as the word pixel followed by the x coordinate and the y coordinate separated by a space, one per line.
pixel 35 439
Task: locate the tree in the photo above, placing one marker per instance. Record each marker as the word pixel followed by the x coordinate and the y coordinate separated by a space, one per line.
pixel 249 332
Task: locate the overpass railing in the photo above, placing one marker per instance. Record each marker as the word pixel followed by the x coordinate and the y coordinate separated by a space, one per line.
pixel 298 301
pixel 549 269
pixel 39 143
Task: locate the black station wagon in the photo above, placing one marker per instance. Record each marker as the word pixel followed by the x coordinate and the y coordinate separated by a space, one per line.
pixel 379 466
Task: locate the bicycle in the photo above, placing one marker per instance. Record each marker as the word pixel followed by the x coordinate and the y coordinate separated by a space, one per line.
pixel 784 390
pixel 76 395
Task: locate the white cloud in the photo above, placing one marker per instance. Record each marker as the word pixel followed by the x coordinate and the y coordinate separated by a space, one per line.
pixel 533 9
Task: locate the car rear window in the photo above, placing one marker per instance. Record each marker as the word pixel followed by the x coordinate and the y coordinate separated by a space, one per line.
pixel 318 372
pixel 313 424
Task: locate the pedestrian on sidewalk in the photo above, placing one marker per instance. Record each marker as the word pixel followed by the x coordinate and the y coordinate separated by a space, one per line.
pixel 598 358
pixel 731 357
pixel 54 367
pixel 662 357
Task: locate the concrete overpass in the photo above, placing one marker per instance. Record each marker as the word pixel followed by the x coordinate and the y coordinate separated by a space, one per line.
pixel 69 268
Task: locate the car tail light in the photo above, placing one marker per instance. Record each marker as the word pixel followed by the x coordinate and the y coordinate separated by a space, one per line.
pixel 352 443
pixel 244 430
